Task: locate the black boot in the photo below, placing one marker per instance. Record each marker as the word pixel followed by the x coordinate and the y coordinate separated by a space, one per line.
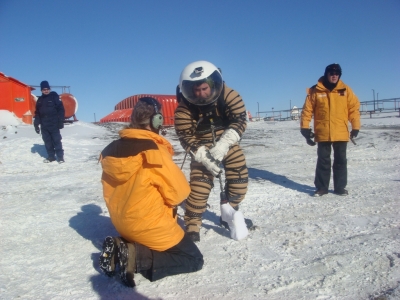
pixel 108 258
pixel 127 261
pixel 194 236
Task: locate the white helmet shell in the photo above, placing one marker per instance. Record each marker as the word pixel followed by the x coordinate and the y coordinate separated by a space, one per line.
pixel 197 73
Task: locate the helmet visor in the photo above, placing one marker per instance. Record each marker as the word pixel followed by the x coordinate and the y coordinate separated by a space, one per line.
pixel 204 91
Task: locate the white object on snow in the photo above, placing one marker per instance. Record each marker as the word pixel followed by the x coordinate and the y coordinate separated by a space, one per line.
pixel 235 220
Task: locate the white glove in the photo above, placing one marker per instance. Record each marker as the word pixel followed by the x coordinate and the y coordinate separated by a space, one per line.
pixel 221 148
pixel 235 219
pixel 203 156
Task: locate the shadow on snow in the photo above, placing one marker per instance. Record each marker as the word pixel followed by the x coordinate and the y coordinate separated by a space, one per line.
pixel 94 227
pixel 281 180
pixel 40 149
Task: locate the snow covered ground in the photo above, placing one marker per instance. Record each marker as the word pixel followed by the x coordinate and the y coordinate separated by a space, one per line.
pixel 54 219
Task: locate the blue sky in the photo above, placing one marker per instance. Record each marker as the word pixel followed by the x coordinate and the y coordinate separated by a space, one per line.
pixel 270 51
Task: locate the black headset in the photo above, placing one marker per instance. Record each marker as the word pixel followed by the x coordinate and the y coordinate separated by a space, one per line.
pixel 157 119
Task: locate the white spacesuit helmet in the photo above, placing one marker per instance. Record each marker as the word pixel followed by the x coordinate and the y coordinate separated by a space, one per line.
pixel 197 73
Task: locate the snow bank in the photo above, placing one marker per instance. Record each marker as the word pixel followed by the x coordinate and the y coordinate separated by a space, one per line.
pixel 8 118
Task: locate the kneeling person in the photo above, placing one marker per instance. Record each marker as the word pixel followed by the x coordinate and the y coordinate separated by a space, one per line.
pixel 142 187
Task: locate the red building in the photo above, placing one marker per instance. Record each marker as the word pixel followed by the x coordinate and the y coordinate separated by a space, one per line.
pixel 123 110
pixel 16 97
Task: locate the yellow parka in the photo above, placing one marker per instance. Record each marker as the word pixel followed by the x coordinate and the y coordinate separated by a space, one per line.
pixel 141 186
pixel 332 110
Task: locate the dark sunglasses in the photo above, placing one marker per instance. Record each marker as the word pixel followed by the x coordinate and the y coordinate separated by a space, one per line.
pixel 46 90
pixel 332 73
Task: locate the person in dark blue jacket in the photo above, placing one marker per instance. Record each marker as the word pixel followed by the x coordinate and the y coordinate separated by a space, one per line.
pixel 50 115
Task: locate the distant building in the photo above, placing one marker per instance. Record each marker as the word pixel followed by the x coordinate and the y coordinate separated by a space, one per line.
pixel 123 110
pixel 16 97
pixel 295 113
pixel 248 116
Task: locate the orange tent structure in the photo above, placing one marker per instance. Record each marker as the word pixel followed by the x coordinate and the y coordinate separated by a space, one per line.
pixel 123 110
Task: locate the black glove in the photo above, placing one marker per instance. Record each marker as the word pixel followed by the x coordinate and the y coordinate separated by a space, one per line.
pixel 311 142
pixel 61 124
pixel 354 133
pixel 308 134
pixel 37 129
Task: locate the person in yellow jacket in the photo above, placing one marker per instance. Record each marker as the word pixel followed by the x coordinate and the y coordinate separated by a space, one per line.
pixel 333 106
pixel 142 187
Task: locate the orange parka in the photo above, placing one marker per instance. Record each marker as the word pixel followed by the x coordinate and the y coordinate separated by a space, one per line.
pixel 332 111
pixel 141 187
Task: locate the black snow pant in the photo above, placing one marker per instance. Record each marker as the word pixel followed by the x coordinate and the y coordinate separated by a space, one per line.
pixel 184 257
pixel 339 168
pixel 52 141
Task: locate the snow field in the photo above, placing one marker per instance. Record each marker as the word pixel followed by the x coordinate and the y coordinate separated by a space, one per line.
pixel 54 220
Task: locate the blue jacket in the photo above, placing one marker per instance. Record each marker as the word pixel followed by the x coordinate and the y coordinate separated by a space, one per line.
pixel 50 111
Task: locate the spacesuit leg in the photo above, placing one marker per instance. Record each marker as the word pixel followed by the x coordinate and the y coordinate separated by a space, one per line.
pixel 201 183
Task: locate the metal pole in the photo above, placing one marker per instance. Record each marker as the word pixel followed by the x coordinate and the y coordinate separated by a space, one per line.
pixel 95 117
pixel 377 100
pixel 373 92
pixel 184 160
pixel 258 110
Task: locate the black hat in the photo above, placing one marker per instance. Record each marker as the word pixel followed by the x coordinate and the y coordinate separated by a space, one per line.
pixel 333 67
pixel 44 85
